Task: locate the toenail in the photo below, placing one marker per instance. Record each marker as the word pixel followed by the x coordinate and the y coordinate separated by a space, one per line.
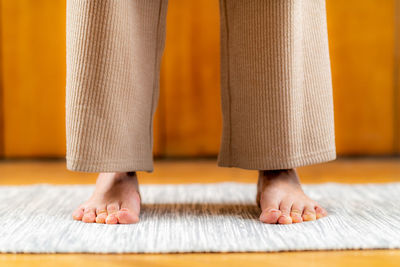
pixel 285 218
pixel 100 220
pixel 111 217
pixel 309 216
pixel 297 219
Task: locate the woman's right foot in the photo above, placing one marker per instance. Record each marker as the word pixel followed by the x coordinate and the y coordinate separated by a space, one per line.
pixel 283 201
pixel 116 199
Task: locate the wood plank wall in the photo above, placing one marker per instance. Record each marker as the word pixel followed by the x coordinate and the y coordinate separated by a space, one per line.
pixel 397 77
pixel 364 45
pixel 362 39
pixel 1 90
pixel 190 92
pixel 33 70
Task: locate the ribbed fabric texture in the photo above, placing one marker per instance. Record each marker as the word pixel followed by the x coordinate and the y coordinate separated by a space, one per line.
pixel 114 50
pixel 276 84
pixel 276 91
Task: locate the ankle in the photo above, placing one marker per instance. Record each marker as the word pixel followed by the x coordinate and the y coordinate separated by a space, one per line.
pixel 119 176
pixel 132 173
pixel 277 176
pixel 276 173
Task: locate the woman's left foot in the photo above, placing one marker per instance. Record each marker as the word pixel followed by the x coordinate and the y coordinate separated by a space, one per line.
pixel 283 201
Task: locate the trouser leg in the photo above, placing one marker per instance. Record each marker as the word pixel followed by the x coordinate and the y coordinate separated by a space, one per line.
pixel 276 87
pixel 114 50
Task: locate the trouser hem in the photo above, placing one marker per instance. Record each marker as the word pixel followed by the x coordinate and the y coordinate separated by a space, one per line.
pixel 281 163
pixel 109 166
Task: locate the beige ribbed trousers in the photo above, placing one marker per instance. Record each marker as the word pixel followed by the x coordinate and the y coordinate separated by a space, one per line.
pixel 276 90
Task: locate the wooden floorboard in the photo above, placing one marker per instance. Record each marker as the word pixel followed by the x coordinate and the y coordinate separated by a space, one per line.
pixel 206 171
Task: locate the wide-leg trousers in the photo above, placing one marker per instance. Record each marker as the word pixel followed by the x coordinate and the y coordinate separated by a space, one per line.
pixel 276 90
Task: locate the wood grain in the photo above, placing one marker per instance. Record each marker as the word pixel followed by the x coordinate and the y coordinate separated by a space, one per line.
pixel 33 48
pixel 362 50
pixel 373 258
pixel 17 172
pixel 190 75
pixel 396 98
pixel 1 89
pixel 363 40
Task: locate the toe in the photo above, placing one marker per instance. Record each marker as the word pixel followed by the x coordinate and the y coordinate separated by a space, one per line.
pixel 101 209
pixel 101 214
pixel 270 212
pixel 101 218
pixel 112 208
pixel 296 212
pixel 270 215
pixel 285 219
pixel 309 214
pixel 78 214
pixel 111 219
pixel 130 210
pixel 89 215
pixel 126 216
pixel 285 208
pixel 320 212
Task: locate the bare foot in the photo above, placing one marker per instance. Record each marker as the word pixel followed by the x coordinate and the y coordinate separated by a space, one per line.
pixel 282 200
pixel 116 199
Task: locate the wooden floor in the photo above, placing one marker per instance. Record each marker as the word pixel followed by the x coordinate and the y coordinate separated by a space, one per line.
pixel 206 171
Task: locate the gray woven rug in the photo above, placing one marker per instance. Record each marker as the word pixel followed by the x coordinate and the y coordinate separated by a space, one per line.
pixel 198 218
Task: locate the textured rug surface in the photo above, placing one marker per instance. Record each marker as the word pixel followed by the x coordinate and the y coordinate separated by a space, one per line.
pixel 218 217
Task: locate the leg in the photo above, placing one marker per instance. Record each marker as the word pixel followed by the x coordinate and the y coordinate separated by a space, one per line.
pixel 114 51
pixel 276 94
